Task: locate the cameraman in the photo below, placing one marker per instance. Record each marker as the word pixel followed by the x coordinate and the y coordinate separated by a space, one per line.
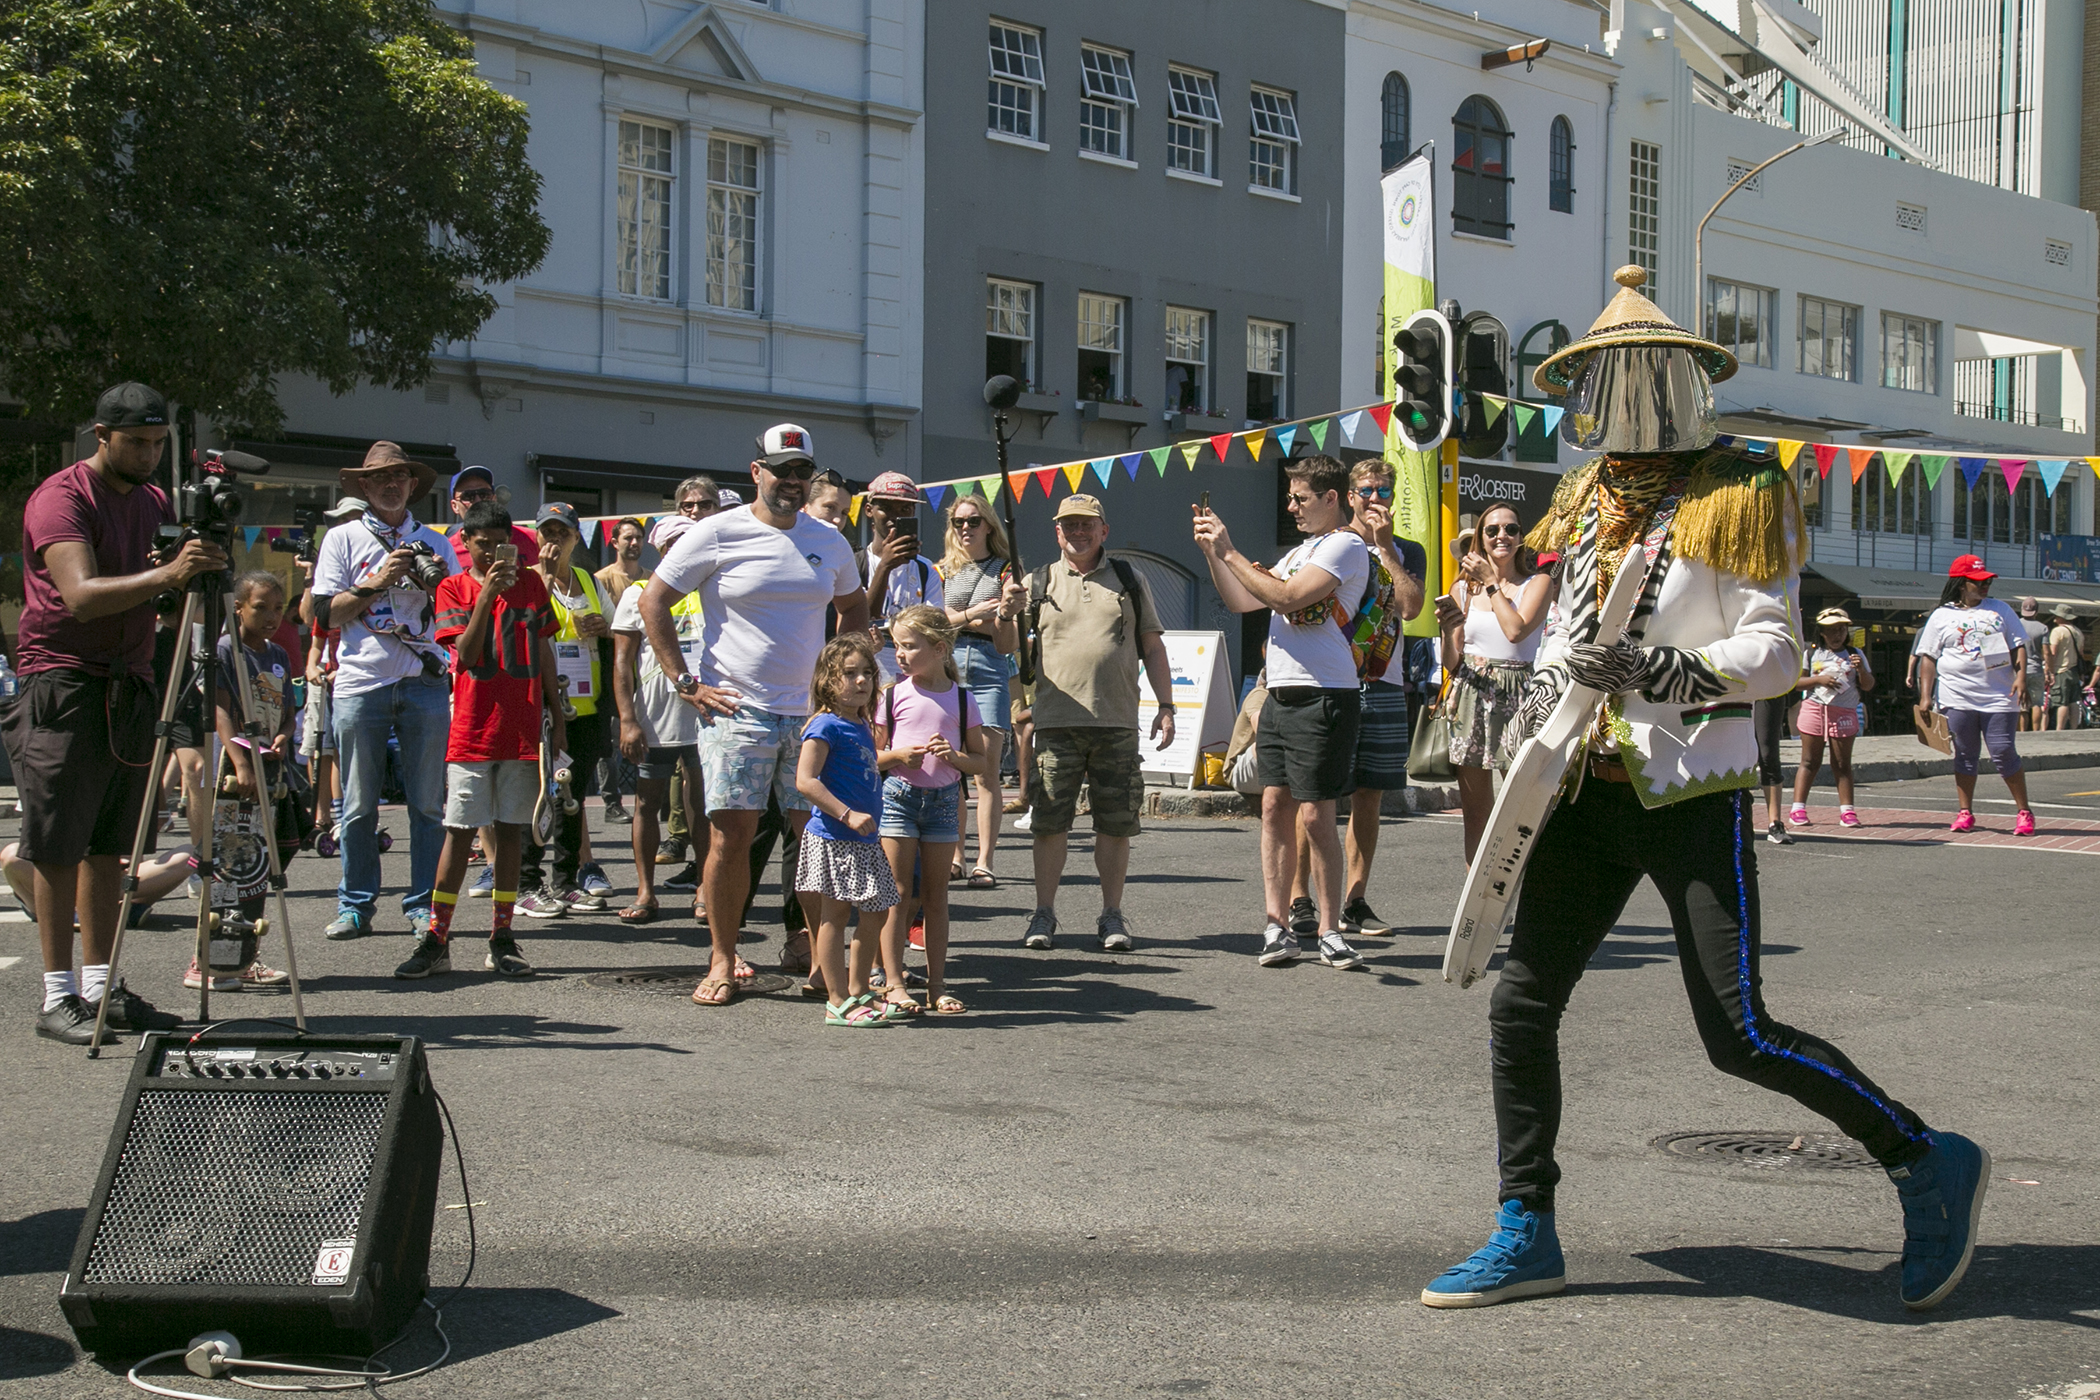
pixel 80 732
pixel 377 574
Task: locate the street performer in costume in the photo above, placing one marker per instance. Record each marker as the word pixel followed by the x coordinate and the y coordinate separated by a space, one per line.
pixel 1661 790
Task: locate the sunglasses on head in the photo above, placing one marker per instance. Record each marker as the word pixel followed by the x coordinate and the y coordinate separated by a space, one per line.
pixel 1374 493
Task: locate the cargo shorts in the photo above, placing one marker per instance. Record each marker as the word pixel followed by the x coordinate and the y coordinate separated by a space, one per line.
pixel 1105 761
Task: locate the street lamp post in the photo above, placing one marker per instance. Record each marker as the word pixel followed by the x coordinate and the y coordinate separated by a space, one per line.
pixel 1698 238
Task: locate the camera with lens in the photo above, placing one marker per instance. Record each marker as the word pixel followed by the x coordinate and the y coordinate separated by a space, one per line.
pixel 425 569
pixel 211 505
pixel 306 521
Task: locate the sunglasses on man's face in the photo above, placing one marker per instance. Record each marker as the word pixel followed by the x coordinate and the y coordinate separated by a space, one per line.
pixel 1374 493
pixel 794 471
pixel 478 494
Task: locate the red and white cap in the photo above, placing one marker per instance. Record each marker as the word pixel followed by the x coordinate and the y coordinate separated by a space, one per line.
pixel 894 486
pixel 786 442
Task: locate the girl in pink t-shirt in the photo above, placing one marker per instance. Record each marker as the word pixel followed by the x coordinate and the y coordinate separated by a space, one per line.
pixel 931 735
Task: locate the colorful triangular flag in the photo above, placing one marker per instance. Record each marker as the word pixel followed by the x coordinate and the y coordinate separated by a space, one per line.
pixel 1524 413
pixel 1221 444
pixel 1350 423
pixel 2013 468
pixel 988 487
pixel 1494 407
pixel 1017 482
pixel 1129 463
pixel 2094 463
pixel 1189 450
pixel 1159 459
pixel 852 509
pixel 1932 464
pixel 1319 432
pixel 1284 438
pixel 2052 472
pixel 1553 417
pixel 1044 476
pixel 1971 469
pixel 1072 471
pixel 1894 463
pixel 1859 458
pixel 1826 456
pixel 1101 467
pixel 934 494
pixel 1788 451
pixel 254 533
pixel 1254 441
pixel 1757 447
pixel 1382 415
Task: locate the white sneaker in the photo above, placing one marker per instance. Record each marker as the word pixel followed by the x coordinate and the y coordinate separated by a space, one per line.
pixel 1336 952
pixel 1025 821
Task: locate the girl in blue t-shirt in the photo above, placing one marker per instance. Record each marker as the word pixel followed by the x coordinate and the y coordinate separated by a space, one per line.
pixel 842 861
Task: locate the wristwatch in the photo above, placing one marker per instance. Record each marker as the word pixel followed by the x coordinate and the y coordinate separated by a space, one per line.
pixel 1164 706
pixel 686 684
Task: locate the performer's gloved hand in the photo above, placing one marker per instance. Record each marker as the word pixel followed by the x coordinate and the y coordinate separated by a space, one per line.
pixel 1541 694
pixel 1662 675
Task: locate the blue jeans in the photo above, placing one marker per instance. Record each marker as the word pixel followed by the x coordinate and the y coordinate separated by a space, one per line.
pixel 418 712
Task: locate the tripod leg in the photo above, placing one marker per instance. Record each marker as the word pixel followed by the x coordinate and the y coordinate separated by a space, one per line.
pixel 149 813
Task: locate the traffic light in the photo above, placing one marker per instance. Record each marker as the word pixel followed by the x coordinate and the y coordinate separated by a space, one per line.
pixel 1422 380
pixel 1483 343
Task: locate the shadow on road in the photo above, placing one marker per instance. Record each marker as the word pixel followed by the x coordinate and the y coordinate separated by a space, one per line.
pixel 24 1354
pixel 1037 989
pixel 40 1243
pixel 2028 1282
pixel 455 1032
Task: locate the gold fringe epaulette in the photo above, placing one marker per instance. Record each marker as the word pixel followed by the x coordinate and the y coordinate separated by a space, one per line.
pixel 1741 514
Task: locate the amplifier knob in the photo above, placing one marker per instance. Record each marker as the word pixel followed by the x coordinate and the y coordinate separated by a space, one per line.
pixel 321 1071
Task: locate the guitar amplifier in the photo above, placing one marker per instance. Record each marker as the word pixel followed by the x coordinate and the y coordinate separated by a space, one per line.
pixel 280 1187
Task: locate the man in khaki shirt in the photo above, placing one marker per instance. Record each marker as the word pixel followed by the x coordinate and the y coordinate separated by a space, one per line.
pixel 1094 620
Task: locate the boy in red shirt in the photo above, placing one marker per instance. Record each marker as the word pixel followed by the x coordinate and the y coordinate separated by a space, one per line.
pixel 497 619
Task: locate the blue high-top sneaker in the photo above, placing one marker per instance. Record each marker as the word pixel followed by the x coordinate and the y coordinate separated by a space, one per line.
pixel 1521 1259
pixel 1942 1195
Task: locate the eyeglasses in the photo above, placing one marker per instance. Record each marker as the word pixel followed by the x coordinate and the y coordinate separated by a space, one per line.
pixel 966 522
pixel 697 507
pixel 1374 493
pixel 1515 532
pixel 393 476
pixel 794 471
pixel 484 493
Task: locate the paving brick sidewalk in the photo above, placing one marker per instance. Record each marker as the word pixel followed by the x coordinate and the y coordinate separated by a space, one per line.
pixel 1911 827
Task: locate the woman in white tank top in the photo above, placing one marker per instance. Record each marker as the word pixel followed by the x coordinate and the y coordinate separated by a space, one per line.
pixel 1493 625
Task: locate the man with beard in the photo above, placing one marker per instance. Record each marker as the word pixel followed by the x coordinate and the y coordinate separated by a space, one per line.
pixel 764 575
pixel 1659 790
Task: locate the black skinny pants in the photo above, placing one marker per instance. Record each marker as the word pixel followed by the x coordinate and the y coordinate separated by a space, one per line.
pixel 1703 860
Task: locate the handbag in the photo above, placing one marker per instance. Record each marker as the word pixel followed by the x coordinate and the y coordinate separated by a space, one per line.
pixel 1429 750
pixel 1932 728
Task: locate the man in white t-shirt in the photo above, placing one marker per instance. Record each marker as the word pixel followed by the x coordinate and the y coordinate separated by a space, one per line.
pixel 765 575
pixel 1306 751
pixel 390 678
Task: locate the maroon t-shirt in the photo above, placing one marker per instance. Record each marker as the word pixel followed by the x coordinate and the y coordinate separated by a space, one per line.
pixel 76 504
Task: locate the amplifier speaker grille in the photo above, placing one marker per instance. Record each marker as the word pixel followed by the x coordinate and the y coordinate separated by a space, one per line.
pixel 235 1188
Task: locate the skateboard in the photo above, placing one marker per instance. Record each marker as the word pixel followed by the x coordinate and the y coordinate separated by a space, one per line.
pixel 240 873
pixel 1532 786
pixel 557 779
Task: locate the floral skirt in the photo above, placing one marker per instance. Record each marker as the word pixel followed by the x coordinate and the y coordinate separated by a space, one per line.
pixel 1482 707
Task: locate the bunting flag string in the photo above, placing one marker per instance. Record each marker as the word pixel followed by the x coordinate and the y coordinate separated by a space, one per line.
pixel 1971 469
pixel 1072 471
pixel 1017 482
pixel 1859 457
pixel 1254 442
pixel 1221 444
pixel 1159 457
pixel 2011 470
pixel 1895 462
pixel 1188 453
pixel 1101 466
pixel 1045 477
pixel 1382 415
pixel 1319 432
pixel 1932 464
pixel 934 495
pixel 1350 421
pixel 1129 463
pixel 2052 472
pixel 1284 438
pixel 1826 455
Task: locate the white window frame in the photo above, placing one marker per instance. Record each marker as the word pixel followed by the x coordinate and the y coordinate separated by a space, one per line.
pixel 1103 320
pixel 1107 102
pixel 1818 310
pixel 735 214
pixel 1194 121
pixel 1644 210
pixel 1269 357
pixel 1919 353
pixel 1724 298
pixel 1272 144
pixel 1015 98
pixel 1010 313
pixel 645 208
pixel 1188 331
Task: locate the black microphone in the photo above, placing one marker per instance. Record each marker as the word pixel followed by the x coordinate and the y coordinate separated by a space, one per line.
pixel 246 463
pixel 1002 391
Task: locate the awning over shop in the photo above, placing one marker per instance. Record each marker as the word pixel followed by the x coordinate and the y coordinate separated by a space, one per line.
pixel 1907 590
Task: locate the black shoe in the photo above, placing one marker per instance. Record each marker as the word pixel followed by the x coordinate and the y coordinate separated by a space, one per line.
pixel 1305 917
pixel 503 959
pixel 430 957
pixel 618 814
pixel 1778 835
pixel 1358 918
pixel 671 851
pixel 71 1022
pixel 128 1011
pixel 686 879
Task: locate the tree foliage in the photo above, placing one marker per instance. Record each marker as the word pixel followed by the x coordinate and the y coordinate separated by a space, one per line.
pixel 205 194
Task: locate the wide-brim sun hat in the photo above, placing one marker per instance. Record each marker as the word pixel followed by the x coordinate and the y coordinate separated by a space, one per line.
pixel 380 456
pixel 1630 319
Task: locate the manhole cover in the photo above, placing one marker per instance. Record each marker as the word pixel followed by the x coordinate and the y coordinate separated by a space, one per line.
pixel 680 981
pixel 1772 1151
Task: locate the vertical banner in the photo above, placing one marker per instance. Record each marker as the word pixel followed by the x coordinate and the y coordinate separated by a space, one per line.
pixel 1410 285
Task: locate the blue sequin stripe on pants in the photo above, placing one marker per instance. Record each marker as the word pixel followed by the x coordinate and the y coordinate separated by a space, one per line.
pixel 1590 857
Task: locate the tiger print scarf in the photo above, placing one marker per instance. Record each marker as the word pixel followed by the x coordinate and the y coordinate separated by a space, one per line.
pixel 1628 490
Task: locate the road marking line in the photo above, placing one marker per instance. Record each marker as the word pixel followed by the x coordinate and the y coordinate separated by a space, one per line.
pixel 14 916
pixel 6 963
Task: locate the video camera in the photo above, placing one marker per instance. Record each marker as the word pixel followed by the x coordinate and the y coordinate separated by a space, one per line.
pixel 210 507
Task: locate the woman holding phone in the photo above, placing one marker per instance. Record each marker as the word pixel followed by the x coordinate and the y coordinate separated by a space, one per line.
pixel 1493 620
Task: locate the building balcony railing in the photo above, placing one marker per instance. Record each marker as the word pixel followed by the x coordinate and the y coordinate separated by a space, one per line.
pixel 2002 413
pixel 1928 551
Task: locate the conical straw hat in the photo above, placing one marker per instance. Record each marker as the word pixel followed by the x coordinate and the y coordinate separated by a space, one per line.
pixel 1630 319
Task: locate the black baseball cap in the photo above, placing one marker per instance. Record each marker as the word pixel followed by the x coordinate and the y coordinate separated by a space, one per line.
pixel 131 405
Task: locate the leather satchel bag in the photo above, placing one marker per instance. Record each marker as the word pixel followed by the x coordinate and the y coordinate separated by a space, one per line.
pixel 1429 750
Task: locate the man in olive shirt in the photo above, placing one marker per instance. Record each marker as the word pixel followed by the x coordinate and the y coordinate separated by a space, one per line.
pixel 1094 619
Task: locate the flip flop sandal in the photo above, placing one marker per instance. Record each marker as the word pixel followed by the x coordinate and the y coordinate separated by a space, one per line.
pixel 859 1014
pixel 955 872
pixel 897 1006
pixel 945 1005
pixel 983 879
pixel 638 914
pixel 814 988
pixel 745 971
pixel 723 985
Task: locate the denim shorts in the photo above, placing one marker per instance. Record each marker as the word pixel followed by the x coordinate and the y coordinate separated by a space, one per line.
pixel 984 674
pixel 919 813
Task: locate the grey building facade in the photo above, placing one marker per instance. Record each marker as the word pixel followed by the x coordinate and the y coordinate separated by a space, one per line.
pixel 1136 210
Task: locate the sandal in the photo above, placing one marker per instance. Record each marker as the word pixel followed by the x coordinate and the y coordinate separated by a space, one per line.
pixel 795 955
pixel 724 992
pixel 898 1004
pixel 945 1005
pixel 744 971
pixel 638 914
pixel 858 1013
pixel 955 870
pixel 1015 806
pixel 814 988
pixel 983 879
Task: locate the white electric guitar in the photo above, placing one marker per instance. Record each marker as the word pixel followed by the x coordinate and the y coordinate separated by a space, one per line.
pixel 1529 790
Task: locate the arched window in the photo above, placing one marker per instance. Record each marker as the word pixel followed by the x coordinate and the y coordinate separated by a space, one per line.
pixel 1562 169
pixel 1393 122
pixel 1480 176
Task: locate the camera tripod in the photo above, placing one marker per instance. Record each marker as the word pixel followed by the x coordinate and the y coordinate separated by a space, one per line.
pixel 204 600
